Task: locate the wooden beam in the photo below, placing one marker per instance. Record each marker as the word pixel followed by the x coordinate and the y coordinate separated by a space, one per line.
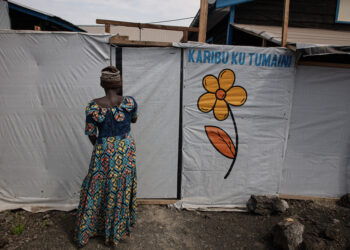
pixel 117 40
pixel 285 22
pixel 324 64
pixel 263 43
pixel 156 201
pixel 203 18
pixel 107 28
pixel 302 197
pixel 146 25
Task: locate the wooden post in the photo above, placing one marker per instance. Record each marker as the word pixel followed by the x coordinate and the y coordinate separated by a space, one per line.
pixel 285 23
pixel 203 17
pixel 107 28
pixel 185 36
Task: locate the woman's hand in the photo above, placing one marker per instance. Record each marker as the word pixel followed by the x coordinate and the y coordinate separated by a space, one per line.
pixel 93 139
pixel 134 119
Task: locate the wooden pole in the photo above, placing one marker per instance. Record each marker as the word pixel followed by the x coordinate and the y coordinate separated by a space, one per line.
pixel 185 36
pixel 107 28
pixel 203 21
pixel 285 23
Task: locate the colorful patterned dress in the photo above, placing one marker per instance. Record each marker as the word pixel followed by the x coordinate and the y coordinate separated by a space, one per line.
pixel 108 194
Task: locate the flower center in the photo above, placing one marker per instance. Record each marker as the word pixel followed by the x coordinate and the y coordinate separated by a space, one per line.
pixel 220 94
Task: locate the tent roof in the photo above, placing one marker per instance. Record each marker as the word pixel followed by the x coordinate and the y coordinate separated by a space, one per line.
pixel 44 16
pixel 302 36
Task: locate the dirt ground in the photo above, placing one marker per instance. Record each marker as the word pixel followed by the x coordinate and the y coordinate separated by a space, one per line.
pixel 327 226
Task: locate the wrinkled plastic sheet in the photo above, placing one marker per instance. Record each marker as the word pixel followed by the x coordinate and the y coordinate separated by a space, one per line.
pixel 4 16
pixel 152 76
pixel 317 161
pixel 46 81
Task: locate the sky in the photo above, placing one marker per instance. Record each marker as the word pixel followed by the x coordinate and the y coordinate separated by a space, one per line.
pixel 81 12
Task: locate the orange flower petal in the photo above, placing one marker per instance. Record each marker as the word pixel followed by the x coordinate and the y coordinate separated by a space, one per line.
pixel 220 110
pixel 236 96
pixel 210 83
pixel 226 79
pixel 206 102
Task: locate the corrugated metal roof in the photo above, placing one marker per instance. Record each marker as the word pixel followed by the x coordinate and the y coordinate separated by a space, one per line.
pixel 320 37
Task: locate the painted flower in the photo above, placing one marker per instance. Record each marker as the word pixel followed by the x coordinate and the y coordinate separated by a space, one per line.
pixel 221 92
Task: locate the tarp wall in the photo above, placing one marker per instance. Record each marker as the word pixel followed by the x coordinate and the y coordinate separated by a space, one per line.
pixel 267 75
pixel 152 76
pixel 47 79
pixel 4 15
pixel 318 152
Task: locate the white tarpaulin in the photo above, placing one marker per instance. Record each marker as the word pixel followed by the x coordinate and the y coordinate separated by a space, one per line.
pixel 47 79
pixel 152 76
pixel 4 15
pixel 267 75
pixel 318 153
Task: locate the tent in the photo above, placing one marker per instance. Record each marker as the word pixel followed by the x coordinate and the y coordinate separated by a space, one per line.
pixel 291 128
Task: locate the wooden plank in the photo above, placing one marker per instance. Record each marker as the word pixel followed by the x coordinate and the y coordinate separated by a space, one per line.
pixel 118 41
pixel 107 28
pixel 285 23
pixel 324 64
pixel 203 18
pixel 122 37
pixel 156 201
pixel 302 197
pixel 185 37
pixel 146 25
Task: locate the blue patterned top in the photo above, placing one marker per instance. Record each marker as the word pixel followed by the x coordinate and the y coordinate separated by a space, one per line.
pixel 110 122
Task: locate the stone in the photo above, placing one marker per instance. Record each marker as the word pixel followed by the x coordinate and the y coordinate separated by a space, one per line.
pixel 288 234
pixel 314 244
pixel 3 242
pixel 266 205
pixel 331 233
pixel 345 200
pixel 335 221
pixel 49 223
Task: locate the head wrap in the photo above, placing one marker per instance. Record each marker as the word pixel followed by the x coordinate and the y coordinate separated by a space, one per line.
pixel 110 78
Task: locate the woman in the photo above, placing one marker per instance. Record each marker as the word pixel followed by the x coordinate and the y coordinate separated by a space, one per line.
pixel 108 194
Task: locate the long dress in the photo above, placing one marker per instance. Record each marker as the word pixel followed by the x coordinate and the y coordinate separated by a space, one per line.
pixel 108 193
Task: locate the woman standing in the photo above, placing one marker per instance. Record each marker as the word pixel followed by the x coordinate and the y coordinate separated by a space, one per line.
pixel 108 194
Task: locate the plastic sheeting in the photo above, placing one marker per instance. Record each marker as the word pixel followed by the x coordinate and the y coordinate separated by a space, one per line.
pixel 262 124
pixel 318 153
pixel 152 76
pixel 4 15
pixel 46 81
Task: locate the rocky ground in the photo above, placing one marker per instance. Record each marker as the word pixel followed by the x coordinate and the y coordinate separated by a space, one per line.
pixel 327 226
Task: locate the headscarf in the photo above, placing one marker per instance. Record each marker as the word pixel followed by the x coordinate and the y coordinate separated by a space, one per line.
pixel 111 78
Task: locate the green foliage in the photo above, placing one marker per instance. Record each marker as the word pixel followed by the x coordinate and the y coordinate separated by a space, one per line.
pixel 18 226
